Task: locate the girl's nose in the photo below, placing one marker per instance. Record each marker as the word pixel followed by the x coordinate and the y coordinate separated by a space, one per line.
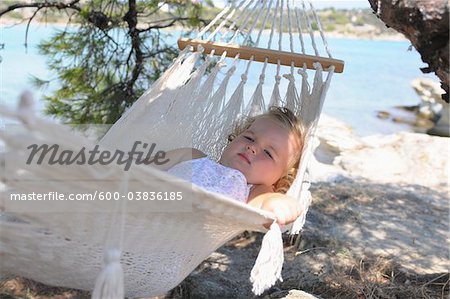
pixel 251 149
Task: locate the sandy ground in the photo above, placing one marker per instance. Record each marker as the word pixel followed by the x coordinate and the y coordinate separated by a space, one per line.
pixel 359 242
pixel 398 187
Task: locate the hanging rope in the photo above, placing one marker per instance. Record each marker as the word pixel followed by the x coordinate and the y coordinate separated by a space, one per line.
pixel 311 32
pixel 319 25
pixel 299 28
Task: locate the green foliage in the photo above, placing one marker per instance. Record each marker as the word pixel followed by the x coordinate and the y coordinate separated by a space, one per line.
pixel 6 3
pixel 107 61
pixel 359 21
pixel 330 27
pixel 338 17
pixel 15 15
pixel 331 18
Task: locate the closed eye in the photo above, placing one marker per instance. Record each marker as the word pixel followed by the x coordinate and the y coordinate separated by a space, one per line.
pixel 249 138
pixel 268 154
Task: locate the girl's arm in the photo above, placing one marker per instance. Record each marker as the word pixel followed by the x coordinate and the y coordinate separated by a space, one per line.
pixel 285 208
pixel 179 155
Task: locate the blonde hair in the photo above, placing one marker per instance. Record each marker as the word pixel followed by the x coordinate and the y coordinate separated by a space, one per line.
pixel 288 120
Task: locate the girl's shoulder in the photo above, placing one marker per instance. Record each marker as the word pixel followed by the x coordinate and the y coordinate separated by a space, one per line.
pixel 197 154
pixel 257 190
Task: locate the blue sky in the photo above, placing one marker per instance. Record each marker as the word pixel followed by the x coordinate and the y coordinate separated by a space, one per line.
pixel 343 4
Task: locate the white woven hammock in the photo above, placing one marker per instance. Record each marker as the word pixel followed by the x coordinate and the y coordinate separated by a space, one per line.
pixel 126 250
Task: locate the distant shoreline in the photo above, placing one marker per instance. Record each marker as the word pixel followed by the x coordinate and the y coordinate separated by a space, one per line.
pixel 355 34
pixel 379 37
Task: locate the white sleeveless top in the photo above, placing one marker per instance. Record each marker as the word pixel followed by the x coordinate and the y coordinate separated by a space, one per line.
pixel 213 177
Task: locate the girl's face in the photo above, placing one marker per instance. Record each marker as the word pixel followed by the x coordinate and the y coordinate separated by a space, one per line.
pixel 262 153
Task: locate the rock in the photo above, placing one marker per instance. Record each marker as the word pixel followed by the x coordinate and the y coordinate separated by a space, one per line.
pixel 336 135
pixel 383 114
pixel 430 116
pixel 429 92
pixel 403 120
pixel 442 127
pixel 411 158
pixel 423 123
pixel 333 137
pixel 291 294
pixel 432 106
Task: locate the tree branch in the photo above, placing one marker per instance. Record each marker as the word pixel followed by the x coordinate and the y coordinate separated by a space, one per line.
pixel 41 5
pixel 170 23
pixel 131 19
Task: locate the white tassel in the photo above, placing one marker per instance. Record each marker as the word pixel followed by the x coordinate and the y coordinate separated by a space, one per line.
pixel 213 120
pixel 305 201
pixel 268 265
pixel 231 111
pixel 183 72
pixel 256 105
pixel 109 283
pixel 275 99
pixel 292 98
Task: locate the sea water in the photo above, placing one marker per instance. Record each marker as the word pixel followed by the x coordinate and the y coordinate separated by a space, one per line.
pixel 377 76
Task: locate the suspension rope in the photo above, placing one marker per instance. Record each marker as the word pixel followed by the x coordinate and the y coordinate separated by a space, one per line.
pixel 269 43
pixel 220 15
pixel 319 25
pixel 299 26
pixel 311 33
pixel 280 38
pixel 255 22
pixel 246 20
pixel 222 24
pixel 242 13
pixel 291 41
pixel 266 17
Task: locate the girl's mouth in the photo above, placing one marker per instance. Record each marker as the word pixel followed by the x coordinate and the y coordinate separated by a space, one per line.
pixel 244 156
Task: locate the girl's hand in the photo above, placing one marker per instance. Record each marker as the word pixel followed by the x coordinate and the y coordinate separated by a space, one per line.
pixel 285 208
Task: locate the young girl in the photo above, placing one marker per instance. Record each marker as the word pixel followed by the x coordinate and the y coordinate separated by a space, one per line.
pixel 257 166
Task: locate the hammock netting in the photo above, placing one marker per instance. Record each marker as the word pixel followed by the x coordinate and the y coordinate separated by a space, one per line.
pixel 135 249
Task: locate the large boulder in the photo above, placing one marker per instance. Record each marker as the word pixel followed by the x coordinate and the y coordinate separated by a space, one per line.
pixel 432 106
pixel 404 157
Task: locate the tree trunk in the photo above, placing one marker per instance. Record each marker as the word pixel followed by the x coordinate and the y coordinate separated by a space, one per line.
pixel 426 24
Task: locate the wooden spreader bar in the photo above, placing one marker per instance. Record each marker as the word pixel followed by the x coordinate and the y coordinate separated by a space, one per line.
pixel 259 54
